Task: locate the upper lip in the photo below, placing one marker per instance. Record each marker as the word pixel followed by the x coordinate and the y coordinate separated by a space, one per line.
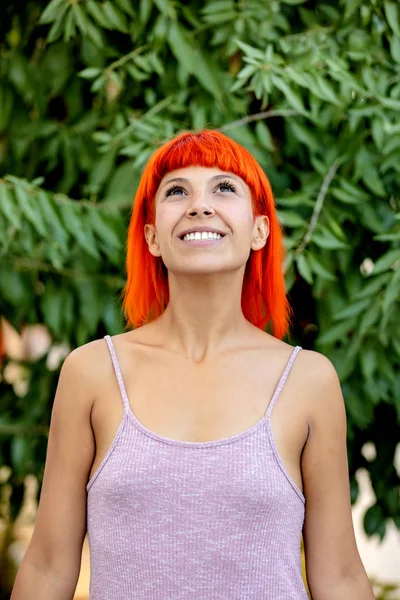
pixel 205 228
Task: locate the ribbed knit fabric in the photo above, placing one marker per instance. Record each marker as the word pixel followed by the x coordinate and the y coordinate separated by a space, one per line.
pixel 177 520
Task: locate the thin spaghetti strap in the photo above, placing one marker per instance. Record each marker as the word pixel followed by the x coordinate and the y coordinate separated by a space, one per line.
pixel 117 372
pixel 282 380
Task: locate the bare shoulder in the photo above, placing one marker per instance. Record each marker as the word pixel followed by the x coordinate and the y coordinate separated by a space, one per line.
pixel 82 356
pixel 312 370
pixel 319 384
pixel 317 365
pixel 88 365
pixel 318 390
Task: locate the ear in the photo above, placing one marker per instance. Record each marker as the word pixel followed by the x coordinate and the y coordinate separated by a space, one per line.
pixel 150 235
pixel 260 232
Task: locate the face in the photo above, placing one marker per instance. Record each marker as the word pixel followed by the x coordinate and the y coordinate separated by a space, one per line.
pixel 208 198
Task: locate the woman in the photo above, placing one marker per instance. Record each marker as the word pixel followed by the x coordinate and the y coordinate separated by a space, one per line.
pixel 229 443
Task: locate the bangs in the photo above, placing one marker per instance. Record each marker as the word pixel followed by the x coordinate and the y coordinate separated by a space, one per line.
pixel 202 150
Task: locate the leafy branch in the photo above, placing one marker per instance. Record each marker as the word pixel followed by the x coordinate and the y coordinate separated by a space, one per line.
pixel 266 114
pixel 318 206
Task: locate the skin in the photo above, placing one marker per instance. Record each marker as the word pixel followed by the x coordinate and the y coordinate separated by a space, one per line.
pixel 215 374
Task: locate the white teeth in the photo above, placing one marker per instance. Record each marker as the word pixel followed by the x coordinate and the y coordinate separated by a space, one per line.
pixel 204 235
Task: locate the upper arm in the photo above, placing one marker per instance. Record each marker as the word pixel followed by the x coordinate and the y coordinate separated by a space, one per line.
pixel 60 526
pixel 328 533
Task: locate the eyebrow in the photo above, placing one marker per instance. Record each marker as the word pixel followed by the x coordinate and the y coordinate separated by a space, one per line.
pixel 215 178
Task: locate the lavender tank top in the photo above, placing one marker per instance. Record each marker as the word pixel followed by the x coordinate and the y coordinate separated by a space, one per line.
pixel 180 520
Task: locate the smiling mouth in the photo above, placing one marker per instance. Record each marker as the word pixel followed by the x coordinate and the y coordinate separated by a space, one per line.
pixel 203 241
pixel 197 239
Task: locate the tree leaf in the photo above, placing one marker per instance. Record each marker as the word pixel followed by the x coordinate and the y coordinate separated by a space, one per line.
pixel 389 102
pixel 378 133
pixel 373 521
pixel 19 453
pixel 80 18
pixel 51 304
pixel 327 90
pixel 264 136
pixel 116 18
pixel 290 219
pixel 392 15
pixel 163 6
pixel 6 106
pixel 304 268
pixel 145 7
pixel 294 99
pixel 319 269
pixel 69 27
pixel 353 310
pixel 78 228
pixel 126 6
pixel 368 360
pixel 181 48
pixel 369 318
pixel 304 134
pixel 372 286
pixel 325 239
pixel 351 7
pixel 26 206
pixel 300 77
pixel 345 197
pixel 395 48
pixel 94 35
pixel 101 229
pixel 250 50
pixel 8 207
pixel 91 304
pixel 51 11
pixel 392 292
pixel 386 262
pixel 90 73
pixel 96 12
pixel 49 213
pixel 336 332
pixel 206 77
pixel 373 181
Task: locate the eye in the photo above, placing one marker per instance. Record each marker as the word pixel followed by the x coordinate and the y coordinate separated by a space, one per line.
pixel 174 188
pixel 227 185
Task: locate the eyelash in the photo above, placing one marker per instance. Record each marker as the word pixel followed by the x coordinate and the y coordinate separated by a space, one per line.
pixel 172 189
pixel 227 184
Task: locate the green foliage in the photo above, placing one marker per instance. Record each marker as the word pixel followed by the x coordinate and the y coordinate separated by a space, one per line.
pixel 312 89
pixel 385 591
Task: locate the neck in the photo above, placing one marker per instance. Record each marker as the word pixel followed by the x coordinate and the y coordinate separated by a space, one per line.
pixel 204 315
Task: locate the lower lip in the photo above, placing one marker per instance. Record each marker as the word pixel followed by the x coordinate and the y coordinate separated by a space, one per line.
pixel 197 243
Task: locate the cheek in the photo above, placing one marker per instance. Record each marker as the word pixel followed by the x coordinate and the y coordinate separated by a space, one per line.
pixel 243 220
pixel 166 220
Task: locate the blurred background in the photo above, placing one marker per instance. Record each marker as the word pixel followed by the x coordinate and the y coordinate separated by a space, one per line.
pixel 88 89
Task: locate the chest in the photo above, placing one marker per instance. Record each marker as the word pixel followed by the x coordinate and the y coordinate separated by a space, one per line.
pixel 200 403
pixel 186 400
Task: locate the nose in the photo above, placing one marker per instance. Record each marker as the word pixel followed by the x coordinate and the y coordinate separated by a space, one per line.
pixel 203 210
pixel 199 206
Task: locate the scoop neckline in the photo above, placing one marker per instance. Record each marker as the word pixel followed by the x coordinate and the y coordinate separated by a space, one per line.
pixel 190 443
pixel 265 420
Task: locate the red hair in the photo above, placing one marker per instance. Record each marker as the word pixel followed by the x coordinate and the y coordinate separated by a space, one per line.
pixel 146 293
